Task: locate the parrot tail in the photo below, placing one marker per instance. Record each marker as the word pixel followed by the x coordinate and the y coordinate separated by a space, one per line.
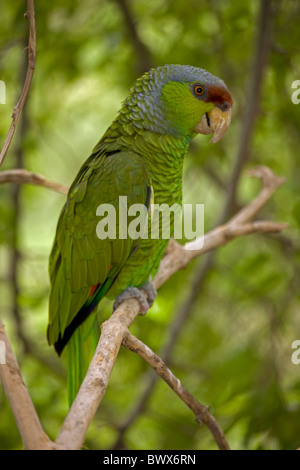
pixel 80 350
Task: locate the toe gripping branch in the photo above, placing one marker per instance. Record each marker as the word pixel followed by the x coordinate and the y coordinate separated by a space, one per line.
pixel 146 296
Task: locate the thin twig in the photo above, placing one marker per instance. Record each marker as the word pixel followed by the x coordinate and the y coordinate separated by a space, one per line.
pixel 20 175
pixel 14 251
pixel 174 329
pixel 201 411
pixel 29 15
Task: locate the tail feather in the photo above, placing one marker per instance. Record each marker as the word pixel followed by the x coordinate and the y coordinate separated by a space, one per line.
pixel 80 350
pixel 80 339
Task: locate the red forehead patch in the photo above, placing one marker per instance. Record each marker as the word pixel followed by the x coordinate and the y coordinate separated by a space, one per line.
pixel 219 94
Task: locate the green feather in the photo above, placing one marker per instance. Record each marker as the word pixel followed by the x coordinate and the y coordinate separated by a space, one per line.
pixel 80 351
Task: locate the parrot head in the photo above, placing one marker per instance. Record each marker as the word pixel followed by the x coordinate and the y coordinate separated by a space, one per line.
pixel 180 100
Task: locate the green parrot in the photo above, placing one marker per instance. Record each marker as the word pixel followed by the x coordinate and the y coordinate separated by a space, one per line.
pixel 140 156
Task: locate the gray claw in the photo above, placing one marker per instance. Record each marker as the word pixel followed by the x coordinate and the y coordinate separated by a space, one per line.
pixel 135 293
pixel 150 291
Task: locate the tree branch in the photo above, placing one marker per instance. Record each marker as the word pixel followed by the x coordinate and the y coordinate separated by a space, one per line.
pixel 177 256
pixel 201 412
pixel 20 175
pixel 93 388
pixel 29 15
pixel 33 435
pixel 115 329
pixel 15 191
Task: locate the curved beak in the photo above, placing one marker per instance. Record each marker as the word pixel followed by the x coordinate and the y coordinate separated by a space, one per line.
pixel 216 121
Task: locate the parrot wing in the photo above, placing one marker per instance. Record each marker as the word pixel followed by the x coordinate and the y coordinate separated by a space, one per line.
pixel 82 266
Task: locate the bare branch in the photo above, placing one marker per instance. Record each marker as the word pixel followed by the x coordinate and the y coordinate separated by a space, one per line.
pixel 115 329
pixel 177 256
pixel 201 412
pixel 27 420
pixel 114 333
pixel 29 15
pixel 23 176
pixel 93 388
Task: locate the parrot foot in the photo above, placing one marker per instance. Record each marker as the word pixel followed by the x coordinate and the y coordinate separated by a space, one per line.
pixel 146 301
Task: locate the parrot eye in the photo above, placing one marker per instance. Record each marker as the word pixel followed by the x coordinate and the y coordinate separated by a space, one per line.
pixel 198 90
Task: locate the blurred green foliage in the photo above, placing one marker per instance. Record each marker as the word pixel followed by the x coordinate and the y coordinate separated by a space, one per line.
pixel 233 352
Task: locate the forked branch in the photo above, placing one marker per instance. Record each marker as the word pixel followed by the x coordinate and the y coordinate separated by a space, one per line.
pixel 115 329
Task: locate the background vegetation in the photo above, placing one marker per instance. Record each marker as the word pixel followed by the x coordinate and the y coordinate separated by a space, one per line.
pixel 226 324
